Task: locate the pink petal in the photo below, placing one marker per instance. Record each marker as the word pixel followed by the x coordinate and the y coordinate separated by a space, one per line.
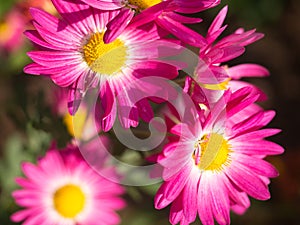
pixel 268 116
pixel 204 203
pixel 176 211
pixel 182 19
pixel 54 25
pixel 219 55
pixel 240 99
pixel 240 39
pixel 54 39
pixel 148 15
pixel 262 147
pixel 190 193
pixel 218 21
pixel 169 190
pixel 145 110
pixel 36 38
pixel 207 74
pixel 212 37
pixel 220 201
pixel 52 59
pixel 127 110
pixel 259 166
pixel 247 70
pixel 154 68
pixel 194 6
pixel 25 183
pixel 82 21
pixel 235 85
pixel 26 194
pixel 105 4
pixel 183 131
pixel 247 181
pixel 180 31
pixel 54 160
pixel 108 103
pixel 74 98
pixel 67 76
pixel 157 49
pixel 33 172
pixel 117 25
pixel 248 123
pixel 39 218
pixel 23 214
pixel 235 194
pixel 257 135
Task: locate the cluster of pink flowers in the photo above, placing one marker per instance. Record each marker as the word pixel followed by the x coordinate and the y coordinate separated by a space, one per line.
pixel 214 158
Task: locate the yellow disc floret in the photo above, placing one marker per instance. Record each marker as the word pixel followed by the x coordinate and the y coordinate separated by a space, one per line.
pixel 217 87
pixel 144 4
pixel 75 124
pixel 104 58
pixel 69 200
pixel 211 152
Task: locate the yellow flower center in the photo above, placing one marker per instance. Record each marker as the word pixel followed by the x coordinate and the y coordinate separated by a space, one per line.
pixel 216 87
pixel 5 32
pixel 211 152
pixel 69 200
pixel 75 124
pixel 144 4
pixel 104 58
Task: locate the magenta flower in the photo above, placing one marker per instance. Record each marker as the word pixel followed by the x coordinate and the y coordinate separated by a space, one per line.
pixel 167 13
pixel 212 76
pixel 63 190
pixel 216 53
pixel 74 55
pixel 11 30
pixel 214 165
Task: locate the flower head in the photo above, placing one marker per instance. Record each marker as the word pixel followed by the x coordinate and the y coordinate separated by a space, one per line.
pixel 74 55
pixel 216 53
pixel 63 190
pixel 165 12
pixel 11 30
pixel 214 165
pixel 212 76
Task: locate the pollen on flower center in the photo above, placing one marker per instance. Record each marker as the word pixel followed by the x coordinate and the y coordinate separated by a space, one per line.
pixel 144 4
pixel 69 200
pixel 104 58
pixel 211 152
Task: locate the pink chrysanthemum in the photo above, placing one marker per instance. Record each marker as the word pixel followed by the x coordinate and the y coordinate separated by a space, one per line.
pixel 11 31
pixel 216 53
pixel 212 76
pixel 214 165
pixel 74 55
pixel 63 190
pixel 167 13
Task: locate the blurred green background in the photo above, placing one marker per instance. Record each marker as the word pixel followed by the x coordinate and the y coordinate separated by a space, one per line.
pixel 28 123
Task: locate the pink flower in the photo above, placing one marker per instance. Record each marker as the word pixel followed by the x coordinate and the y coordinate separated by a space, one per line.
pixel 11 31
pixel 212 76
pixel 74 55
pixel 215 53
pixel 63 190
pixel 167 13
pixel 214 165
